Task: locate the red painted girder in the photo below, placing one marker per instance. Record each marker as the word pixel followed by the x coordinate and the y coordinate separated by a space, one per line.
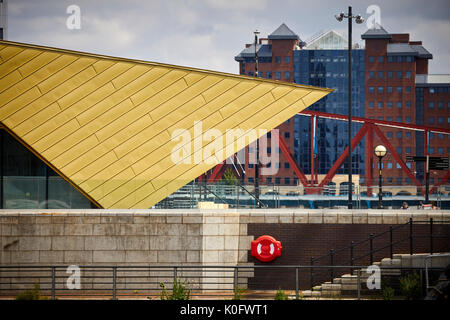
pixel 343 156
pixel 396 156
pixel 215 172
pixel 383 123
pixel 369 160
pixel 290 159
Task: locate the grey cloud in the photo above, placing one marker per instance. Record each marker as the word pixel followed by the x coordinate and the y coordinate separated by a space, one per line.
pixel 209 33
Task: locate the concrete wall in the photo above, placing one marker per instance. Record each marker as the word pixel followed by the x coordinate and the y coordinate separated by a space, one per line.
pixel 189 237
pixel 162 236
pixel 86 237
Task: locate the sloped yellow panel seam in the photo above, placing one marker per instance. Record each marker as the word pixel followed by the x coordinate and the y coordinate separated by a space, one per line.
pixel 9 51
pixel 174 120
pixel 9 96
pixel 157 104
pixel 166 106
pixel 148 158
pixel 36 112
pixel 164 166
pixel 155 124
pixel 165 172
pixel 97 95
pixel 107 124
pixel 62 144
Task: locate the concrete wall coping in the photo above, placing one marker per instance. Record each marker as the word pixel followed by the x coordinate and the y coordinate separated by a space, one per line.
pixel 336 216
pixel 177 211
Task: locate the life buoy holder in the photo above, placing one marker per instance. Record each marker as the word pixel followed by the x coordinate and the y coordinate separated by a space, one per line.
pixel 265 248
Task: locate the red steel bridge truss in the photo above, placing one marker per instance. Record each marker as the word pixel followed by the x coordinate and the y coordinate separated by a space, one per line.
pixel 369 129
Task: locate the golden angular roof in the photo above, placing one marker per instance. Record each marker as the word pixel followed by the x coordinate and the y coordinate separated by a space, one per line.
pixel 111 126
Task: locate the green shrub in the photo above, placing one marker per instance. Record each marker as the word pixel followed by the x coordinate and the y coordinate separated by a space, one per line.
pixel 31 294
pixel 229 177
pixel 280 295
pixel 410 286
pixel 387 292
pixel 238 292
pixel 179 291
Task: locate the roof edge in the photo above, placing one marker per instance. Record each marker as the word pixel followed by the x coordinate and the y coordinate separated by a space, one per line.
pixel 159 64
pixel 376 36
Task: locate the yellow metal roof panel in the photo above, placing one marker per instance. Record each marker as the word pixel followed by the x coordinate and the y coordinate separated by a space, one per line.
pixel 125 132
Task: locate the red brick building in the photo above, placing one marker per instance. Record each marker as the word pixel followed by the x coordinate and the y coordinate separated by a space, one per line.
pixel 397 88
pixel 275 61
pixel 433 109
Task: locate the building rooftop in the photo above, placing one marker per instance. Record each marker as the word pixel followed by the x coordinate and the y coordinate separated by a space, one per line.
pixel 425 80
pixel 283 33
pixel 264 50
pixel 405 49
pixel 422 52
pixel 378 32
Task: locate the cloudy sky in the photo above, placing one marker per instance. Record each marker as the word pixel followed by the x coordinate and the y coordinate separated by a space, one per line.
pixel 208 34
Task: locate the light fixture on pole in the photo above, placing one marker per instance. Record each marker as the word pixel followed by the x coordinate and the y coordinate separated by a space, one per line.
pixel 380 152
pixel 358 20
pixel 256 183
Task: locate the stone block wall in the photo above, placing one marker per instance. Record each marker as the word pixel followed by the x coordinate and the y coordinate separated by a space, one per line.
pixel 89 237
pixel 124 237
pixel 197 237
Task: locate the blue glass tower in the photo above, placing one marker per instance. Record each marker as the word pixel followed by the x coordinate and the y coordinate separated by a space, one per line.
pixel 323 63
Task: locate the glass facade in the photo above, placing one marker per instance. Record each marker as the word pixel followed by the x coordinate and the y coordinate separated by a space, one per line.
pixel 329 40
pixel 328 68
pixel 28 183
pixel 420 135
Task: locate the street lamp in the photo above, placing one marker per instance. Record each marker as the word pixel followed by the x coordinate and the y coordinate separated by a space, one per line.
pixel 256 33
pixel 358 20
pixel 380 152
pixel 258 204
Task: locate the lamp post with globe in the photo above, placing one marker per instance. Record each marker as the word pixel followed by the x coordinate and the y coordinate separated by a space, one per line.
pixel 380 152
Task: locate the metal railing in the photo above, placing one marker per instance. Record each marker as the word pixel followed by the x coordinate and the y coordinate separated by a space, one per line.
pixel 274 195
pixel 332 254
pixel 53 192
pixel 143 282
pixel 426 260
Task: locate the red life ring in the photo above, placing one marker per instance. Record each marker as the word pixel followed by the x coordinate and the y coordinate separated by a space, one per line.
pixel 265 248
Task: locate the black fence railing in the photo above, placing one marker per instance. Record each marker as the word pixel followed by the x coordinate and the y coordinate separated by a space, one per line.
pixel 331 256
pixel 143 282
pixel 278 194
